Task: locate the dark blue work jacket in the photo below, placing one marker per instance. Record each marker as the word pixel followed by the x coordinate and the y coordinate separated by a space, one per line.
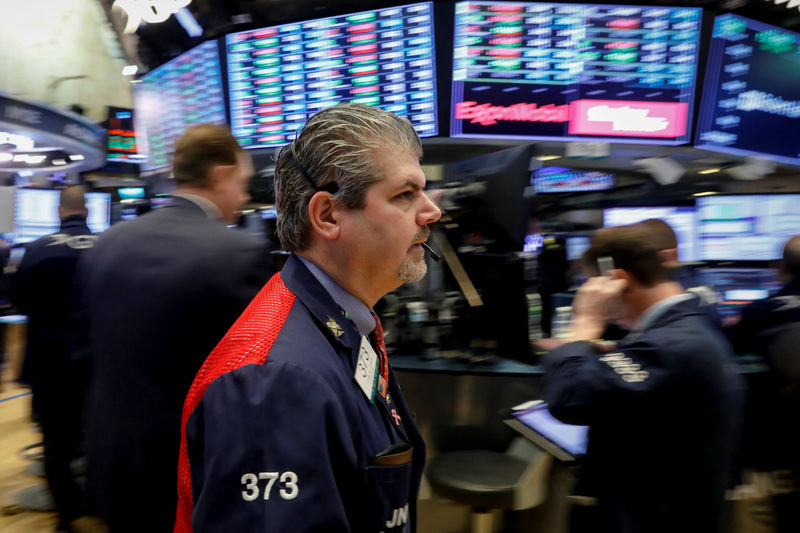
pixel 278 435
pixel 663 411
pixel 45 289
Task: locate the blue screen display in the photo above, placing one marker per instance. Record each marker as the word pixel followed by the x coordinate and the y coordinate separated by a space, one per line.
pixel 751 98
pixel 280 76
pixel 531 70
pixel 561 179
pixel 185 91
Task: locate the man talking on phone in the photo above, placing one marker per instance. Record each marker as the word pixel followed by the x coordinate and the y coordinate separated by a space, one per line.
pixel 662 407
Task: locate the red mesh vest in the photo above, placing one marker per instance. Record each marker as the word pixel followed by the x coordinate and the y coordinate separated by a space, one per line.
pixel 247 342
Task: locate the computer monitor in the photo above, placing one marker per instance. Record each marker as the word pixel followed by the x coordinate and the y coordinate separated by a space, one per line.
pixel 746 227
pixel 99 205
pixel 281 75
pixel 751 97
pixel 738 287
pixel 681 220
pixel 556 71
pixel 182 92
pixel 36 213
pixel 562 179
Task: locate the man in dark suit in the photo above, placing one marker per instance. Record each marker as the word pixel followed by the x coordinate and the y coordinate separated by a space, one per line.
pixel 771 328
pixel 161 290
pixel 662 407
pixel 45 289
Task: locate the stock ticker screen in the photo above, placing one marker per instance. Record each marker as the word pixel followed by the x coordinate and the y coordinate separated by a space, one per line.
pixel 184 91
pixel 751 98
pixel 279 76
pixel 574 71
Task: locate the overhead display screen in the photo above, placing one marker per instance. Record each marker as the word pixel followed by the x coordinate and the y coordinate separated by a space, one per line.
pixel 747 227
pixel 529 70
pixel 279 76
pixel 121 135
pixel 185 91
pixel 562 179
pixel 751 97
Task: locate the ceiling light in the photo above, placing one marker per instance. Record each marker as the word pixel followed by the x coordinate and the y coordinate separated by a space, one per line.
pixel 705 193
pixel 547 157
pixel 36 159
pixel 59 162
pixel 129 70
pixel 20 158
pixel 709 171
pixel 136 81
pixel 76 157
pixel 5 156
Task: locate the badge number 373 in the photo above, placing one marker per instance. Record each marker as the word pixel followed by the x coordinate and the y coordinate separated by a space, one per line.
pixel 288 483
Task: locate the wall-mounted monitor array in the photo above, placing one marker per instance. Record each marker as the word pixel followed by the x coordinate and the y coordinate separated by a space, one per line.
pixel 530 70
pixel 681 219
pixel 746 227
pixel 562 179
pixel 185 91
pixel 36 213
pixel 279 76
pixel 751 98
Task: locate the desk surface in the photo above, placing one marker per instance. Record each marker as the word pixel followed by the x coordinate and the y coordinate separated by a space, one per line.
pixel 748 364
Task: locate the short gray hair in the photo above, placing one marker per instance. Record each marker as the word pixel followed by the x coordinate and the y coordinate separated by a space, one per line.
pixel 336 148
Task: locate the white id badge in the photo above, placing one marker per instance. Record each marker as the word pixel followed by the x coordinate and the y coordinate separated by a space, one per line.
pixel 367 369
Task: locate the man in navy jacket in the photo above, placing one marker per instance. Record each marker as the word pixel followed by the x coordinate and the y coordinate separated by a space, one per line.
pixel 295 422
pixel 45 289
pixel 662 407
pixel 161 291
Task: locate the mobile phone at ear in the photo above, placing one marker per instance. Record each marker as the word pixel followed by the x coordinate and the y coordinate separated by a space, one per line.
pixel 604 265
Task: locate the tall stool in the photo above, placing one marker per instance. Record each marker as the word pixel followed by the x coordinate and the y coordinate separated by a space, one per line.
pixel 486 480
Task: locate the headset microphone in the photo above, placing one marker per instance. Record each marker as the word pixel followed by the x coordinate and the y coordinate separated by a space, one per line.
pixel 436 257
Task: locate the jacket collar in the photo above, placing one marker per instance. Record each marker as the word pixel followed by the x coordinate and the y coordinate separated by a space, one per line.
pixel 299 279
pixel 73 221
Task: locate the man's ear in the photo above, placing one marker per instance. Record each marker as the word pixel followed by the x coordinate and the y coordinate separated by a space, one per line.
pixel 618 273
pixel 669 257
pixel 219 174
pixel 322 214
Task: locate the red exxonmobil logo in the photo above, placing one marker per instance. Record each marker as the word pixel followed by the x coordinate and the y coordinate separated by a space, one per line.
pixel 488 114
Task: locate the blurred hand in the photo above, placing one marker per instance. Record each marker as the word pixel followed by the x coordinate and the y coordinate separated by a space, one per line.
pixel 548 344
pixel 590 309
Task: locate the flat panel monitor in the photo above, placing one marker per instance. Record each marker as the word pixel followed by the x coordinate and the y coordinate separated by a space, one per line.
pixel 681 219
pixel 36 213
pixel 561 179
pixel 99 205
pixel 529 70
pixel 738 287
pixel 747 227
pixel 130 193
pixel 751 96
pixel 279 76
pixel 184 91
pixel 121 136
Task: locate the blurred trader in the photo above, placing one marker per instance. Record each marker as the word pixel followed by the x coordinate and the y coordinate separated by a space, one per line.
pixel 295 422
pixel 162 290
pixel 56 362
pixel 662 408
pixel 666 241
pixel 771 328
